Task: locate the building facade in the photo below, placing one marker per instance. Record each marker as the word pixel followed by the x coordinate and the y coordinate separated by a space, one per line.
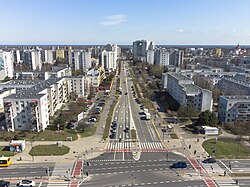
pixel 185 92
pixel 234 108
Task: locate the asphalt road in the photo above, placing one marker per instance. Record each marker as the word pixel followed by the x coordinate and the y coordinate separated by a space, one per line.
pixel 117 167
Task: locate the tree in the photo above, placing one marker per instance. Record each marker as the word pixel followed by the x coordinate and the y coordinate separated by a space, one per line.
pixel 6 79
pixel 186 111
pixel 207 118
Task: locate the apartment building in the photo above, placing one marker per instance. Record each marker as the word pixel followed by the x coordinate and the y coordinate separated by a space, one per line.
pixel 161 57
pixel 8 63
pixel 185 92
pixel 35 101
pixel 234 108
pixel 140 48
pixel 239 87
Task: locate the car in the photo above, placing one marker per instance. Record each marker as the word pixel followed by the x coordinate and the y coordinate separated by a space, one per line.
pixel 4 183
pixel 112 136
pixel 113 131
pixel 92 119
pixel 101 104
pixel 26 183
pixel 209 161
pixel 126 129
pixel 114 127
pixel 179 165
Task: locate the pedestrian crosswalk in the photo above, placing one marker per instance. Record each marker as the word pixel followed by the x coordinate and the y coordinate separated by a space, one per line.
pixel 59 184
pixel 141 146
pixel 227 182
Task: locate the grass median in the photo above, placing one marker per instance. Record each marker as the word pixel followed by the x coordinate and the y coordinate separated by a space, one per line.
pixel 226 148
pixel 109 121
pixel 48 150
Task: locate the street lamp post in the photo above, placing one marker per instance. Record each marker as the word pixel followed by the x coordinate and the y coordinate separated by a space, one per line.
pixel 31 143
pixel 132 179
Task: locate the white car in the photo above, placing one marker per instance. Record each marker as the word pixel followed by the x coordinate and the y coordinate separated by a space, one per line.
pixel 26 183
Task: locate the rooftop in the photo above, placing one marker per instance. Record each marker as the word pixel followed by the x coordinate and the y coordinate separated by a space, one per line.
pixel 237 97
pixel 179 76
pixel 191 88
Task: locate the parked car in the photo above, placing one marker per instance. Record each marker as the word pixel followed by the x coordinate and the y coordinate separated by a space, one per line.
pixel 112 136
pixel 179 165
pixel 92 119
pixel 72 124
pixel 209 160
pixel 126 93
pixel 4 183
pixel 101 104
pixel 113 130
pixel 26 183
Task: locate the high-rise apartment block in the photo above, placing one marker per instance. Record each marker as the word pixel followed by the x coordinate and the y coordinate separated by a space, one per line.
pixel 185 92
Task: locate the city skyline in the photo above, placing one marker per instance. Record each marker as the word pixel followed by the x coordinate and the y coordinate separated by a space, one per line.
pixel 97 22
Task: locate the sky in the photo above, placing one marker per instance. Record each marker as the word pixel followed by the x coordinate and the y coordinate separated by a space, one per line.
pixel 166 22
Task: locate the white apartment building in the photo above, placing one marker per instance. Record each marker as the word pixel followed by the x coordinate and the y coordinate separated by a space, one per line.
pixel 150 53
pixel 109 60
pixel 77 85
pixel 185 92
pixel 4 93
pixel 234 108
pixel 18 56
pixel 56 72
pixel 76 60
pixel 162 57
pixel 36 62
pixel 85 60
pixel 35 101
pixel 49 56
pixel 8 60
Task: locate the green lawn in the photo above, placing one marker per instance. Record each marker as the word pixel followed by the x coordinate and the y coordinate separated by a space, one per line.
pixel 5 153
pixel 47 135
pixel 173 136
pixel 88 132
pixel 226 148
pixel 48 150
pixel 148 104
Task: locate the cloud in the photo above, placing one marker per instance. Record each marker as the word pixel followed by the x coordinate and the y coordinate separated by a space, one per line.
pixel 113 20
pixel 180 30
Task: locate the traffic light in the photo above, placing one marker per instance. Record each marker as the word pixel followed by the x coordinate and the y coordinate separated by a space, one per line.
pixel 87 163
pixel 87 173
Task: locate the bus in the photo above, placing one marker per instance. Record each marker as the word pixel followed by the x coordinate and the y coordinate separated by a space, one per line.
pixel 4 161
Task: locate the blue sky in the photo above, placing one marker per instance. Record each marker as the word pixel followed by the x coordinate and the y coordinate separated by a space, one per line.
pixel 123 21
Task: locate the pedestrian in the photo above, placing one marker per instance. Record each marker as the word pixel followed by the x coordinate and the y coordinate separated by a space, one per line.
pixel 230 167
pixel 236 181
pixel 212 169
pixel 225 173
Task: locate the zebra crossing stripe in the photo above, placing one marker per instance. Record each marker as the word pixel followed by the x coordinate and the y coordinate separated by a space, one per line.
pixel 144 147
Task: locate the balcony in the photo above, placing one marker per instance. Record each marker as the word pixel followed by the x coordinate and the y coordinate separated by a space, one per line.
pixel 33 104
pixel 7 104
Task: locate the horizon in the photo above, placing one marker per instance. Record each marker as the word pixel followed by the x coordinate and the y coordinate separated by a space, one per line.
pixel 94 22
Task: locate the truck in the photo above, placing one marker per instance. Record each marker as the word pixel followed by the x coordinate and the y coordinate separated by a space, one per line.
pixel 120 90
pixel 148 116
